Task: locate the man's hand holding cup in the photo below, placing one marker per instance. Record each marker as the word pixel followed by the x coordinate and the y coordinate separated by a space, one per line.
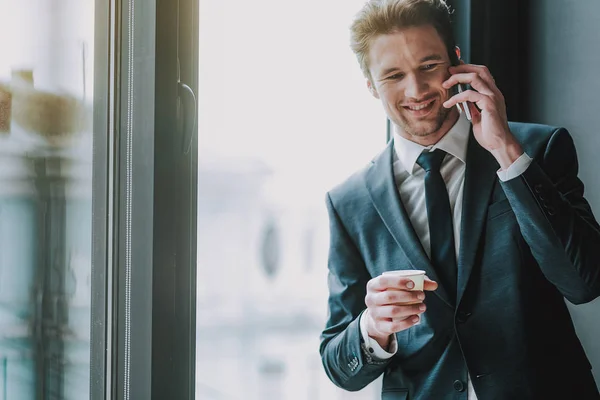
pixel 395 302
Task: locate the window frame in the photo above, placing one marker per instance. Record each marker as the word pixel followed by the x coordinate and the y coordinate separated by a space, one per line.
pixel 144 203
pixel 100 346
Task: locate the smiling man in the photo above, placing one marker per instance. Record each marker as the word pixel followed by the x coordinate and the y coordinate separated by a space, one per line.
pixel 492 211
pixel 407 70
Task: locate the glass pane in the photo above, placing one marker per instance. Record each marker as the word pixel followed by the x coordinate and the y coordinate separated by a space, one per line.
pixel 46 76
pixel 284 115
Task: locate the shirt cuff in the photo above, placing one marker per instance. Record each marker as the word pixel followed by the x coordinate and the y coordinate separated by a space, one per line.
pixel 517 168
pixel 371 345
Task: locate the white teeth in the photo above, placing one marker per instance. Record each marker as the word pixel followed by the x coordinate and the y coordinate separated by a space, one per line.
pixel 417 108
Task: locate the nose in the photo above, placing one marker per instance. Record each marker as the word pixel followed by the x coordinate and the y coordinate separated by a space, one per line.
pixel 416 87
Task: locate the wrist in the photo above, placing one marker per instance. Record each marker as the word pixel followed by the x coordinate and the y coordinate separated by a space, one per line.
pixel 508 153
pixel 382 339
pixel 384 343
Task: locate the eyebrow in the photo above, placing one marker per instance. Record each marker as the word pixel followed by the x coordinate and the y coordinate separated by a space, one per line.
pixel 432 57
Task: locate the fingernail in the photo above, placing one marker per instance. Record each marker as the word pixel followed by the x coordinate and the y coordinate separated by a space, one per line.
pixel 415 319
pixel 421 296
pixel 410 284
pixel 422 307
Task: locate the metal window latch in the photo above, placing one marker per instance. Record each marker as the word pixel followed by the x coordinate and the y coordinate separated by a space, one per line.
pixel 188 106
pixel 187 115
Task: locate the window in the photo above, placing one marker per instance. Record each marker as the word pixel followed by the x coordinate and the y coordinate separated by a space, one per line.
pixel 97 211
pixel 46 163
pixel 284 115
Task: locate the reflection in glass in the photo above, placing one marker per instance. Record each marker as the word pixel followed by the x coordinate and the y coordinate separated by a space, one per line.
pixel 46 73
pixel 284 115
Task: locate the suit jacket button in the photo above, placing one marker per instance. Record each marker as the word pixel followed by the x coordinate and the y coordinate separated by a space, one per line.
pixel 538 188
pixel 462 317
pixel 459 386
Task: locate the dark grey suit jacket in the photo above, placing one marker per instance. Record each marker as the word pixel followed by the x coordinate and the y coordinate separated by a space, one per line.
pixel 526 244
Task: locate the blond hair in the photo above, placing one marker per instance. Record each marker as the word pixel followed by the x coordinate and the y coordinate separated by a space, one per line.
pixel 380 17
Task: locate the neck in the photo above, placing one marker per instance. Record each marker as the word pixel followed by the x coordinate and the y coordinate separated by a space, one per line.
pixel 433 137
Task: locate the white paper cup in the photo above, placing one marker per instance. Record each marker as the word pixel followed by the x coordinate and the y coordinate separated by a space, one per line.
pixel 417 276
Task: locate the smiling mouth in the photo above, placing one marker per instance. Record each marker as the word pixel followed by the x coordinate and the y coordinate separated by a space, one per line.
pixel 420 109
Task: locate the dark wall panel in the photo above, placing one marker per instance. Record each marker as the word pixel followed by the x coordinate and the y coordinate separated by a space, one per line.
pixel 494 33
pixel 564 87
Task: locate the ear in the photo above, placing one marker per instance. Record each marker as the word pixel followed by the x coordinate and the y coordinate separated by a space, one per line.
pixel 457 50
pixel 372 89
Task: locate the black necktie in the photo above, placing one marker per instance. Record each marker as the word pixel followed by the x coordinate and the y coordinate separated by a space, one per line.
pixel 439 214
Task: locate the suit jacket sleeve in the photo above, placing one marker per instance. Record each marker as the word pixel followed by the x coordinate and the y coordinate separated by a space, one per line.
pixel 556 221
pixel 344 362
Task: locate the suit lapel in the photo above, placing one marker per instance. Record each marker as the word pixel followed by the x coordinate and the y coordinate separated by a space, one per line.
pixel 480 176
pixel 382 189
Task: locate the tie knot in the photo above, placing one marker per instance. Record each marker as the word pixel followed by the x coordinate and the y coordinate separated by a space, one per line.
pixel 431 160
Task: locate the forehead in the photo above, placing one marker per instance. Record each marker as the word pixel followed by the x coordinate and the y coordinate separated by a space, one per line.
pixel 405 49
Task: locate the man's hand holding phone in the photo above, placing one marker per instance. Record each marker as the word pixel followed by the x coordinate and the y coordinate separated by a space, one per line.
pixel 490 123
pixel 392 306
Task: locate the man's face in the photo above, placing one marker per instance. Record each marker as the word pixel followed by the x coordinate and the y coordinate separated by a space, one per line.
pixel 408 68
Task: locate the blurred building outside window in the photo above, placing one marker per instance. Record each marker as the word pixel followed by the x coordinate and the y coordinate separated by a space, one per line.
pixel 46 100
pixel 284 115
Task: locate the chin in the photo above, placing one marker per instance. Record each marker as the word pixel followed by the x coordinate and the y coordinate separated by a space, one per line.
pixel 422 129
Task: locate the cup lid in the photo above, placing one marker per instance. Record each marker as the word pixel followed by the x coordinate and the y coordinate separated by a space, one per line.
pixel 405 272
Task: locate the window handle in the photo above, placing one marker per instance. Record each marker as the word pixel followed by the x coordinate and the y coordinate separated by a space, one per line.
pixel 188 115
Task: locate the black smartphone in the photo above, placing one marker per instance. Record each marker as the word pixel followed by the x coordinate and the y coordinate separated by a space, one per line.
pixel 459 88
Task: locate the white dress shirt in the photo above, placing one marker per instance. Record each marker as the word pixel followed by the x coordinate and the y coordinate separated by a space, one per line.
pixel 410 177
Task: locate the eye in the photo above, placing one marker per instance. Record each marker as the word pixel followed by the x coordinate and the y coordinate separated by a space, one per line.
pixel 428 67
pixel 396 76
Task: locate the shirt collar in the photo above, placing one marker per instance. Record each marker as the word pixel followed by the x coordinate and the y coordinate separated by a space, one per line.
pixel 454 142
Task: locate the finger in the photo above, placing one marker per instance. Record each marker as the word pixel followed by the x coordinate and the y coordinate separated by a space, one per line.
pixel 482 101
pixel 392 296
pixel 376 284
pixel 475 113
pixel 481 70
pixel 472 79
pixel 397 312
pixel 385 282
pixel 393 326
pixel 429 285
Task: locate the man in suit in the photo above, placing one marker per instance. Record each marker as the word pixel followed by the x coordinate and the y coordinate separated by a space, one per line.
pixel 493 212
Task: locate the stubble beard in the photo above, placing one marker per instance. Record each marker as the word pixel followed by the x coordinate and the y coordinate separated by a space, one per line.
pixel 425 131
